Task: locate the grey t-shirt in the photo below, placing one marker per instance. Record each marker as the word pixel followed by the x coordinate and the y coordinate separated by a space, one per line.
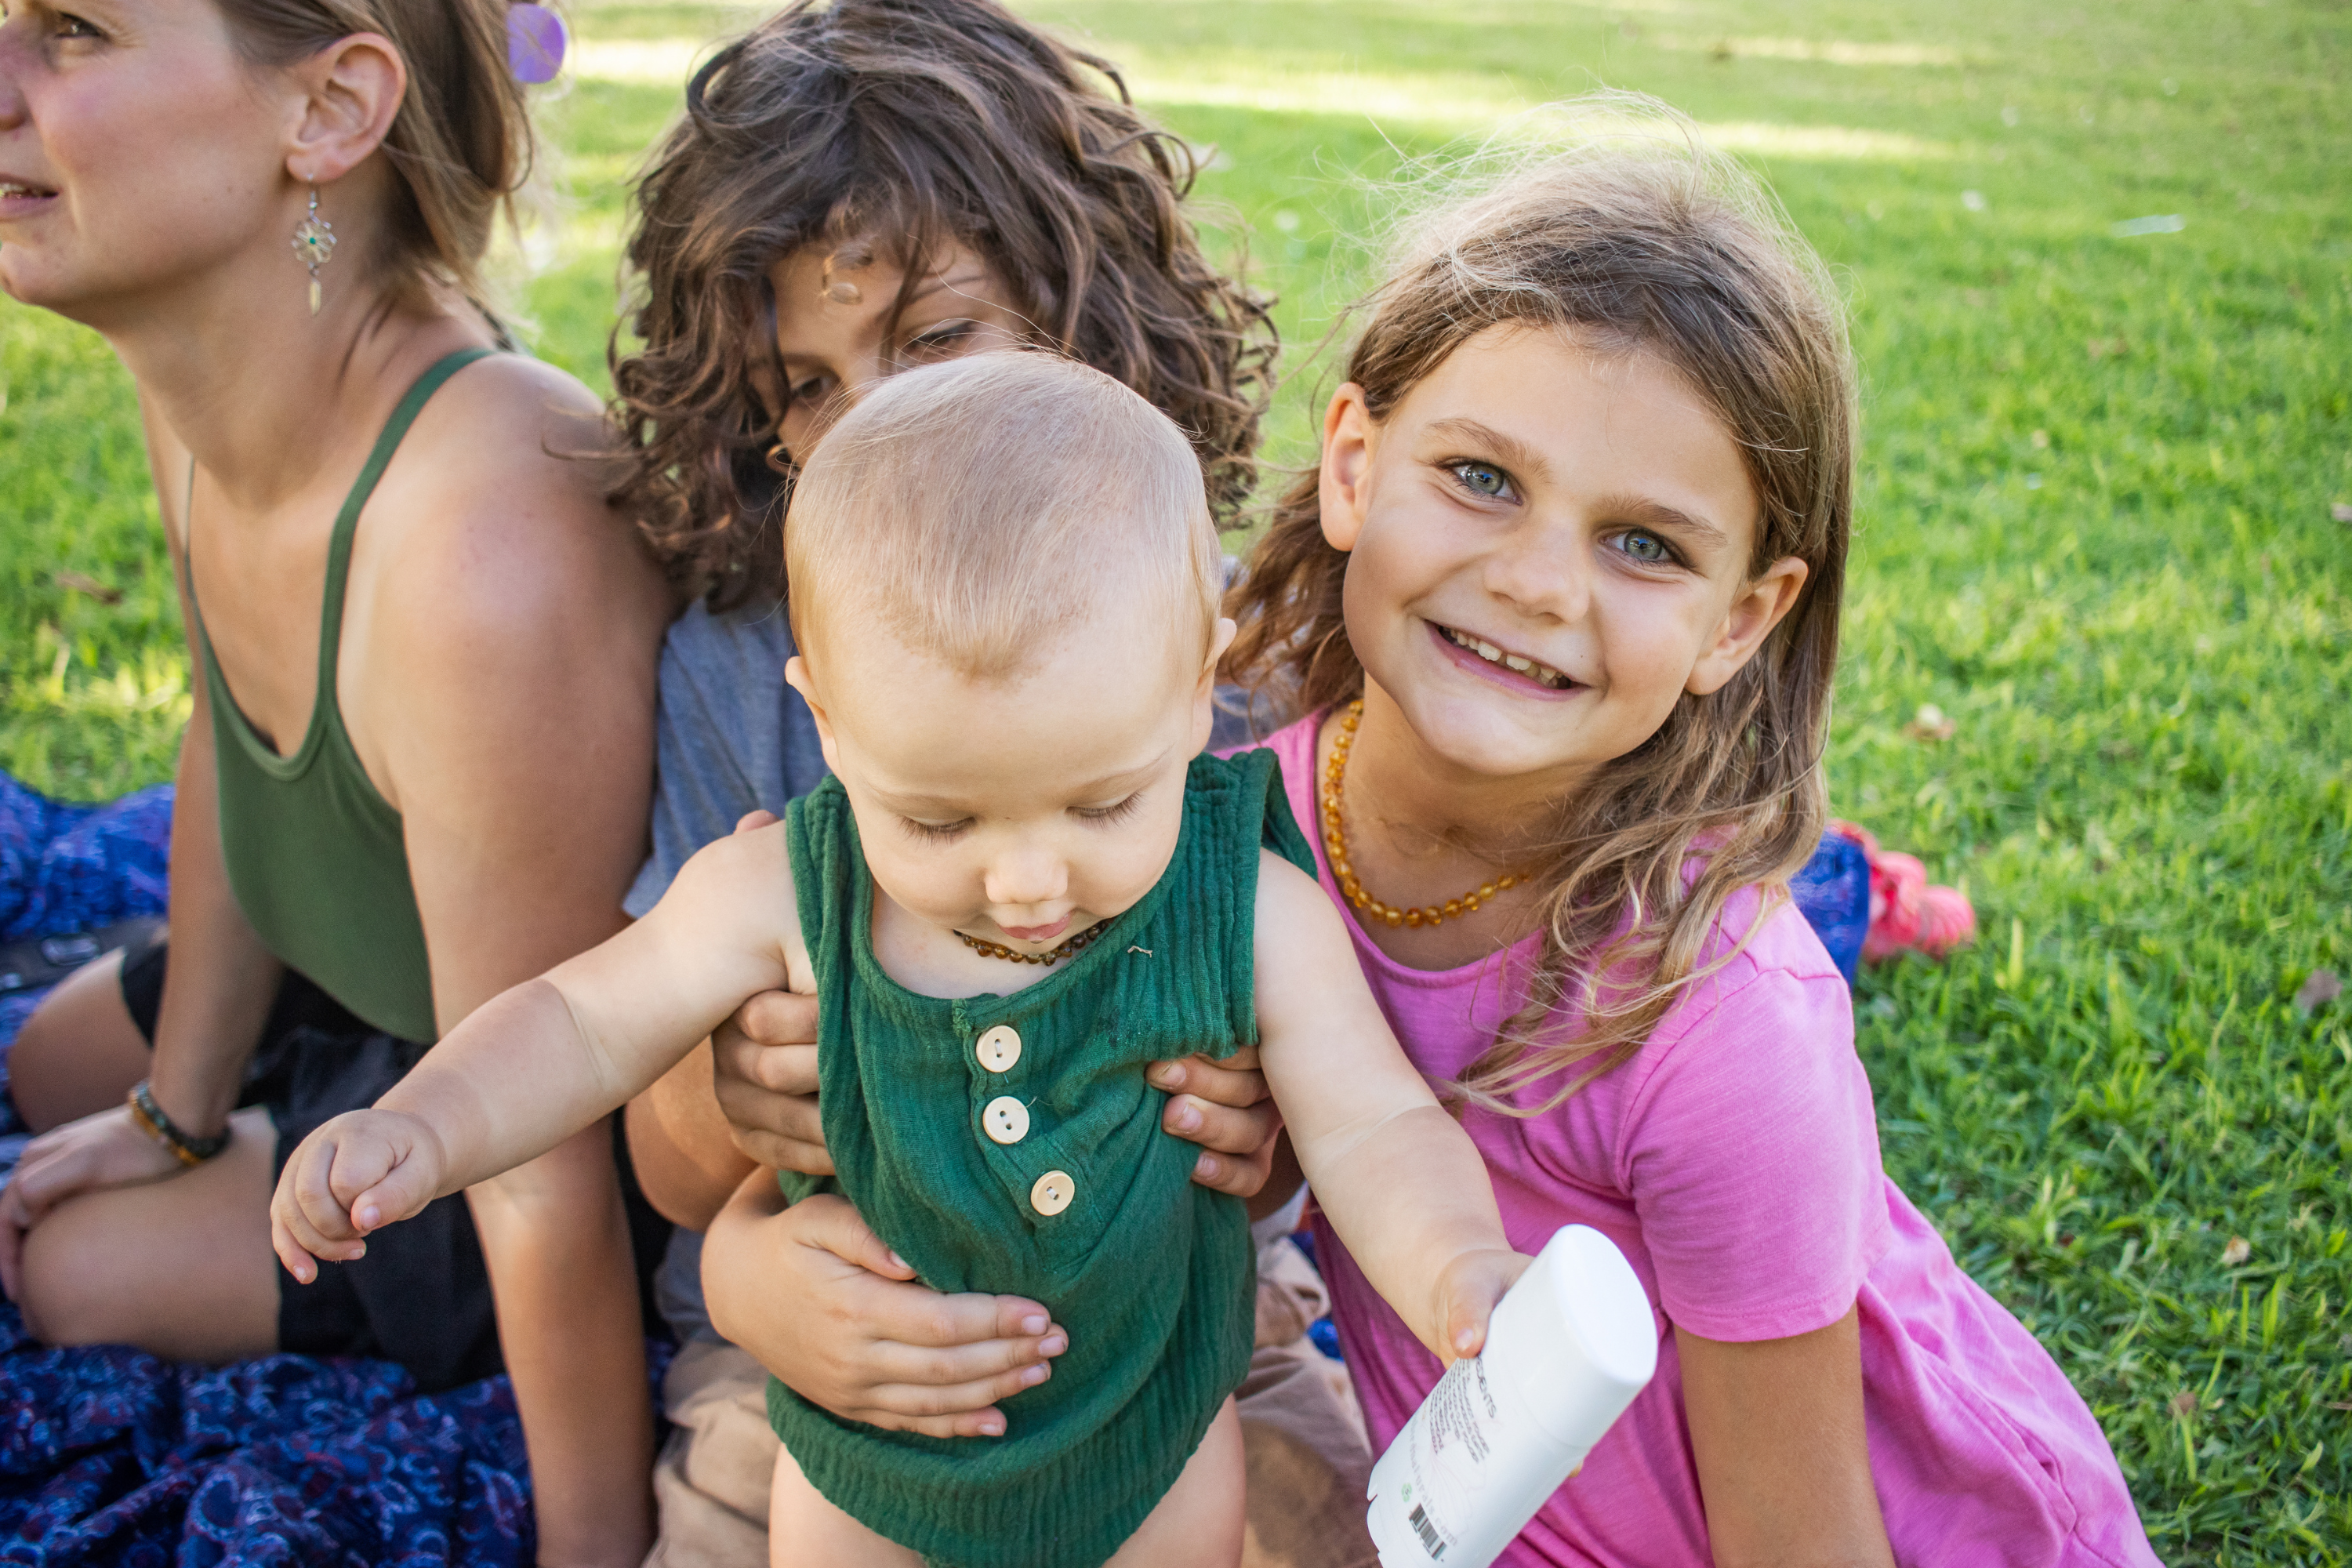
pixel 732 737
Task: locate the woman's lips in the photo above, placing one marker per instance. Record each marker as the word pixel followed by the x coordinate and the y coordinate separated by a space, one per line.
pixel 1037 933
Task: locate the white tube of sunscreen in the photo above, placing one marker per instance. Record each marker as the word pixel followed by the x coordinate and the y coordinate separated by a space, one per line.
pixel 1569 1347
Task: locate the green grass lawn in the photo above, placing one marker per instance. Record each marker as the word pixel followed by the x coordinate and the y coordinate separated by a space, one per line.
pixel 2096 532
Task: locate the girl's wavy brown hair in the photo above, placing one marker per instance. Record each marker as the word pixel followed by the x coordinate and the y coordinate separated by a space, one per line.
pixel 1640 240
pixel 909 125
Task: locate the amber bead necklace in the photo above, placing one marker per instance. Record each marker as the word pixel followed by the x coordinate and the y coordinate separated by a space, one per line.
pixel 1335 840
pixel 1079 943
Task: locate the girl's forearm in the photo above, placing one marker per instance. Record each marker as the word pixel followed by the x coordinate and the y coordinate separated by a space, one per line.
pixel 556 1238
pixel 1408 1198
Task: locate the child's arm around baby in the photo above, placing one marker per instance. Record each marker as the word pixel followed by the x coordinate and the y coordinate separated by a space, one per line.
pixel 540 1061
pixel 1398 1178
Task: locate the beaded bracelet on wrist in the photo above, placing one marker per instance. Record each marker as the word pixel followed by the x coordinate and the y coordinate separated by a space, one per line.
pixel 185 1146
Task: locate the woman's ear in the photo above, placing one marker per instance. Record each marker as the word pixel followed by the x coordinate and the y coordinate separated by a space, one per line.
pixel 797 677
pixel 1349 434
pixel 349 94
pixel 1758 609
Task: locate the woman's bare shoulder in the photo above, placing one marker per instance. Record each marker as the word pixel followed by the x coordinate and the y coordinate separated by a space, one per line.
pixel 500 493
pixel 501 583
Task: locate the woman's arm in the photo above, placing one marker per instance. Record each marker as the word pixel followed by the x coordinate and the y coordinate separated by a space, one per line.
pixel 219 985
pixel 1776 1430
pixel 497 682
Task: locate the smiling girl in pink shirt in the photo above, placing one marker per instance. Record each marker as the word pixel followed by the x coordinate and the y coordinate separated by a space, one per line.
pixel 1561 607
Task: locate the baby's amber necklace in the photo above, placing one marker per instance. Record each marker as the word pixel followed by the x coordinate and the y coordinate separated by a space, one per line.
pixel 1335 840
pixel 1078 943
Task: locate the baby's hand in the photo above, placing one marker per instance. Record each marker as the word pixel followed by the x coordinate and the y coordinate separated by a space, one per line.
pixel 1465 1296
pixel 357 1173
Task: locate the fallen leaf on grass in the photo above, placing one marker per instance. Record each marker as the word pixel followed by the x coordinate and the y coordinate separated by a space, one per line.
pixel 1929 724
pixel 104 593
pixel 2183 1405
pixel 2340 512
pixel 2237 1252
pixel 2321 988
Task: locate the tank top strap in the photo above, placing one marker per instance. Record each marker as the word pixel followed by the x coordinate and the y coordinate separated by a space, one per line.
pixel 347 521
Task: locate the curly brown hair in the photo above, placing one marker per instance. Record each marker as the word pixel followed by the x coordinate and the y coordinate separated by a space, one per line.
pixel 912 125
pixel 1644 242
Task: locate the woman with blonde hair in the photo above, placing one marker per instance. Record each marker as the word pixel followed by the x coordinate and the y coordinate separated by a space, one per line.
pixel 419 761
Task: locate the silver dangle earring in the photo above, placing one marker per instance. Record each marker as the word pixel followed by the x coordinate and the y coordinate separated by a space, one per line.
pixel 314 242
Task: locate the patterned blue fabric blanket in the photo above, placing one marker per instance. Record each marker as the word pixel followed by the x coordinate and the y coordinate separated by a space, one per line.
pixel 111 1456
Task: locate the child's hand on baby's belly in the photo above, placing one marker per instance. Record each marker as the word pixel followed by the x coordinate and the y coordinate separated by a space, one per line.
pixel 1465 1298
pixel 359 1173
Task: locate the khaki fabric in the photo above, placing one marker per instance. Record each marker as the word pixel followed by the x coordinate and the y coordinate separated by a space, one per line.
pixel 710 1482
pixel 1302 1432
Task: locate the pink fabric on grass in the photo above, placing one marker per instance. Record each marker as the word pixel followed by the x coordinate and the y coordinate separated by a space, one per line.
pixel 1735 1159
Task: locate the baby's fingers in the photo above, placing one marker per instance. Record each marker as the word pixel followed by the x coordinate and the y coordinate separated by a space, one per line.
pixel 295 1234
pixel 398 1194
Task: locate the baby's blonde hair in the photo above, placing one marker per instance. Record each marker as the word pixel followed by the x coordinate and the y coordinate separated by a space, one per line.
pixel 978 509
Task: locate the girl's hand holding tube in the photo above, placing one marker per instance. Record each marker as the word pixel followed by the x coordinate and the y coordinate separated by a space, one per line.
pixel 358 1174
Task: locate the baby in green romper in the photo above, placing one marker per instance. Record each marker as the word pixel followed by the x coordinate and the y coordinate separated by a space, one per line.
pixel 1022 883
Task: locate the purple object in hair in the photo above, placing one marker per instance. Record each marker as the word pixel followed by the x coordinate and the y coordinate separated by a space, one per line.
pixel 534 43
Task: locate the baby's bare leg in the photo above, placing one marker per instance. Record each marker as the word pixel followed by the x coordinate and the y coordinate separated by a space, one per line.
pixel 1199 1524
pixel 805 1531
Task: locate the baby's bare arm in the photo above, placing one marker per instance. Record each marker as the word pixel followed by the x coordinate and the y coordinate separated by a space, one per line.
pixel 1399 1179
pixel 537 1063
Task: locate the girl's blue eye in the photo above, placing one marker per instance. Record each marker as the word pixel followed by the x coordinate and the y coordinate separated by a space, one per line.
pixel 1647 548
pixel 1483 479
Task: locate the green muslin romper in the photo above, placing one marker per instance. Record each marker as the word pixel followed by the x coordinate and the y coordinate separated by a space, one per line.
pixel 1011 1144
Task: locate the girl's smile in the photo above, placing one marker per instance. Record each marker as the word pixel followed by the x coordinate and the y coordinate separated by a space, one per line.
pixel 1500 664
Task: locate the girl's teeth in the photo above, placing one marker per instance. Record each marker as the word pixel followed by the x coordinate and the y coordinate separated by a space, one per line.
pixel 1541 673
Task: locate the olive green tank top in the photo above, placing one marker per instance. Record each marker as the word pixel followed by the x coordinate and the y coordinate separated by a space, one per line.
pixel 314 854
pixel 1011 1144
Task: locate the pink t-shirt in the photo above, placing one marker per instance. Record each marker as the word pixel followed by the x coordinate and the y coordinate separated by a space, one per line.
pixel 1735 1161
